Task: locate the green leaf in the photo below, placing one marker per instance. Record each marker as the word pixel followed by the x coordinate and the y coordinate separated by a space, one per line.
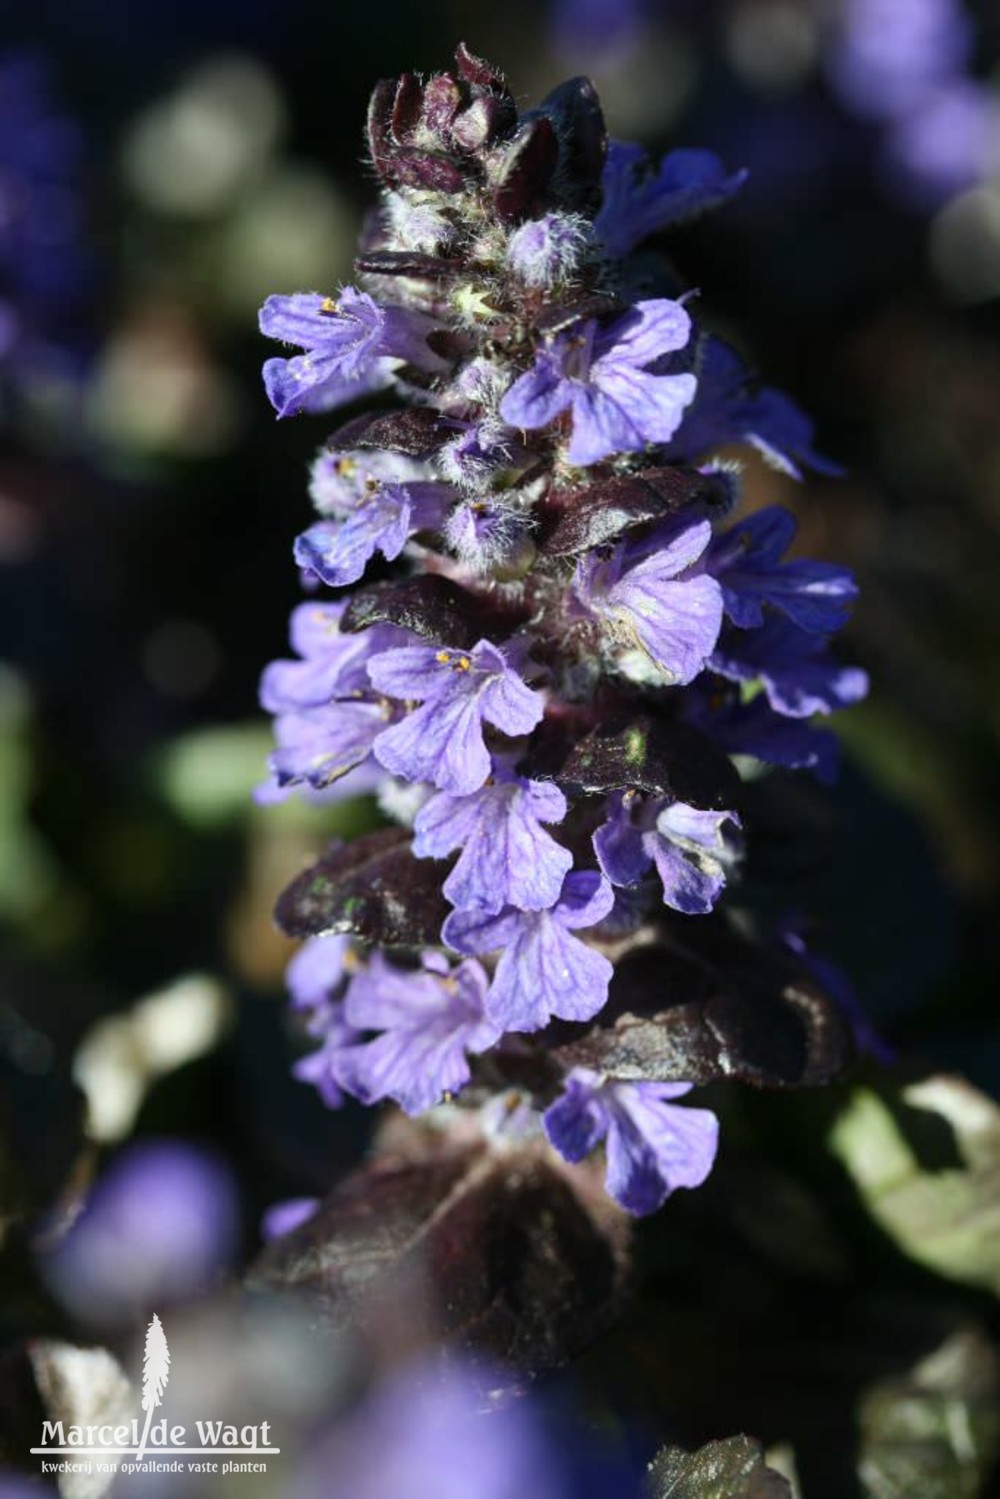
pixel 730 1469
pixel 934 1432
pixel 926 1160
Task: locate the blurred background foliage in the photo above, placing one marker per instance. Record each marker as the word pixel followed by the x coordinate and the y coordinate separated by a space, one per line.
pixel 210 154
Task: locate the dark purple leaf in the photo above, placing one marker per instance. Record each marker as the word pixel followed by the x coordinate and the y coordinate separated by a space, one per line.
pixel 428 170
pixel 521 177
pixel 575 112
pixel 380 121
pixel 663 759
pixel 406 106
pixel 408 263
pixel 417 431
pixel 607 507
pixel 429 605
pixel 373 887
pixel 564 314
pixel 442 101
pixel 350 434
pixel 707 1004
pixel 477 71
pixel 508 1252
pixel 450 343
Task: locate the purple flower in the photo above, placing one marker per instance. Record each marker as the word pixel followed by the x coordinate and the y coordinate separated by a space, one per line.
pixel 545 251
pixel 383 521
pixel 474 458
pixel 159 1225
pixel 320 745
pixel 602 375
pixel 755 729
pixel 326 723
pixel 430 1433
pixel 641 594
pixel 442 741
pixel 321 1067
pixel 746 560
pixel 730 408
pixel 429 1019
pixel 638 202
pixel 488 533
pixel 543 970
pixel 835 982
pixel 507 858
pixel 316 970
pixel 340 480
pixel 352 345
pixel 333 665
pixel 687 845
pixel 653 1146
pixel 794 668
pixel 539 614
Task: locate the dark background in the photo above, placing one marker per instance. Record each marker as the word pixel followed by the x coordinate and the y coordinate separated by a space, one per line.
pixel 148 501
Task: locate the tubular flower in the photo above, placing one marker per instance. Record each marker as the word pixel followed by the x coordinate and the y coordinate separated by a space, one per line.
pixel 557 654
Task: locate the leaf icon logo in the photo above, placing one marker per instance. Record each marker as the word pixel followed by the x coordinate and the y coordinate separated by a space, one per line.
pixel 155 1373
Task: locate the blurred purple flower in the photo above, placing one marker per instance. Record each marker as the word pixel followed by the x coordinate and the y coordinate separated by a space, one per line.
pixel 753 728
pixel 321 1067
pixel 430 1431
pixel 732 407
pixel 44 270
pixel 320 745
pixel 794 667
pixel 282 1217
pixel 639 201
pixel 160 1225
pixel 887 54
pixel 951 142
pixel 316 970
pixel 747 561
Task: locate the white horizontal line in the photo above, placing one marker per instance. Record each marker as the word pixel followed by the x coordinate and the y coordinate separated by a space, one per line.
pixel 152 1451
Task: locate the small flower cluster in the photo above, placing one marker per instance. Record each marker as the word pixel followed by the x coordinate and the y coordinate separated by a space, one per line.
pixel 906 64
pixel 548 693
